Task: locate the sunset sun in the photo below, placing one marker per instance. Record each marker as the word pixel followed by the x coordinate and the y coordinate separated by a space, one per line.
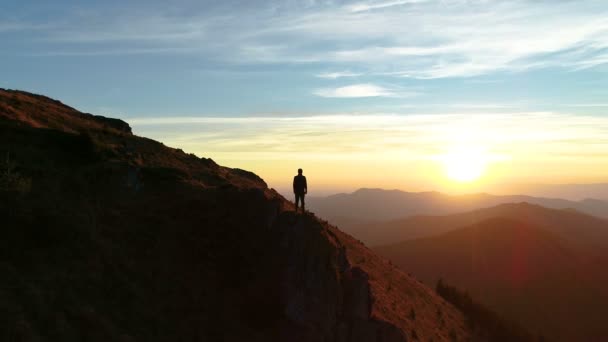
pixel 465 164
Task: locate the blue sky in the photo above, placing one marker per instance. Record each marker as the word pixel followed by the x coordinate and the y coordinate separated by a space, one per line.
pixel 269 59
pixel 244 57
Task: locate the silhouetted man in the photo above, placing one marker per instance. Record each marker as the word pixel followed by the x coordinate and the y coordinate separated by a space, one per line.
pixel 300 188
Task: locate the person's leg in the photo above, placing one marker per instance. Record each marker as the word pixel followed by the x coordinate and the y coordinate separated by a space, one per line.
pixel 297 201
pixel 303 210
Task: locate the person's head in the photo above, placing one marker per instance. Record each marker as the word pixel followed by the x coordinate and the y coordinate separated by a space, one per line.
pixel 299 171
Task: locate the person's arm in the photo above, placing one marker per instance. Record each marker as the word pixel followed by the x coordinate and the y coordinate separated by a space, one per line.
pixel 294 185
pixel 305 186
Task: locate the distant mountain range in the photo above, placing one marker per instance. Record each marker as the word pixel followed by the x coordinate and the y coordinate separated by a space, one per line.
pixel 377 205
pixel 586 230
pixel 575 192
pixel 544 268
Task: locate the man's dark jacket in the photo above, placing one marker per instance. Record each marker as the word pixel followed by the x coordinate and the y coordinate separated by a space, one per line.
pixel 299 185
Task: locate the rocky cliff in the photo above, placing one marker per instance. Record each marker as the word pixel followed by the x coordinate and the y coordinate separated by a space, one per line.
pixel 107 236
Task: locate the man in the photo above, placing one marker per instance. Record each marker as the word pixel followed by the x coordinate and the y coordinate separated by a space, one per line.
pixel 300 188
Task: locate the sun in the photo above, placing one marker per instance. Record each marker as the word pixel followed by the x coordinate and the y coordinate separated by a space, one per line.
pixel 465 163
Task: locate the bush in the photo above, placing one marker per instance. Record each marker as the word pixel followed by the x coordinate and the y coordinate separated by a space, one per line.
pixel 10 179
pixel 483 321
pixel 414 334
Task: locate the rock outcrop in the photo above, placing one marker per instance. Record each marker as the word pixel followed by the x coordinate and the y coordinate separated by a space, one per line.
pixel 120 238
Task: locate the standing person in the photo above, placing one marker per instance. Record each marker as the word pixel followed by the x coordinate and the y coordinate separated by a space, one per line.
pixel 300 188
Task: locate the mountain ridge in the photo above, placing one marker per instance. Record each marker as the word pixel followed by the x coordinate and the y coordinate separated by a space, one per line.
pixel 118 237
pixel 373 205
pixel 593 230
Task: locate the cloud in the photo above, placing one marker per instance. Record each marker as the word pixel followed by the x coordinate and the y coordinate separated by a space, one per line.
pixel 441 39
pixel 110 52
pixel 361 7
pixel 12 25
pixel 355 90
pixel 482 105
pixel 419 39
pixel 587 105
pixel 531 136
pixel 336 75
pixel 407 148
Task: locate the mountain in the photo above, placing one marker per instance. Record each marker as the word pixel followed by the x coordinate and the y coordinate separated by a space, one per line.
pixel 107 236
pixel 586 230
pixel 576 192
pixel 375 205
pixel 540 276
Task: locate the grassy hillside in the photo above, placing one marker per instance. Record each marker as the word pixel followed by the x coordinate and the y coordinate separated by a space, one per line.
pixel 107 236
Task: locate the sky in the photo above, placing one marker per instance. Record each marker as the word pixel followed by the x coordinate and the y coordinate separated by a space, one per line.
pixel 449 95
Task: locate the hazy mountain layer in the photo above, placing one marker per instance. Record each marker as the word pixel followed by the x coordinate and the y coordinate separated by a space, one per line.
pixel 548 278
pixel 374 205
pixel 586 230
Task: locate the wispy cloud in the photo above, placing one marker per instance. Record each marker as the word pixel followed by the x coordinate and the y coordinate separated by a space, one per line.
pixel 421 39
pixel 110 52
pixel 362 90
pixel 20 26
pixel 524 135
pixel 482 105
pixel 404 146
pixel 439 39
pixel 361 7
pixel 588 105
pixel 335 75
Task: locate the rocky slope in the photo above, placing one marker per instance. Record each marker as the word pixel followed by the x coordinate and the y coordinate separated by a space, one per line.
pixel 107 236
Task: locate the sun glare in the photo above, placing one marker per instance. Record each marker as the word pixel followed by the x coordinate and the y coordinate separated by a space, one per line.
pixel 465 164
